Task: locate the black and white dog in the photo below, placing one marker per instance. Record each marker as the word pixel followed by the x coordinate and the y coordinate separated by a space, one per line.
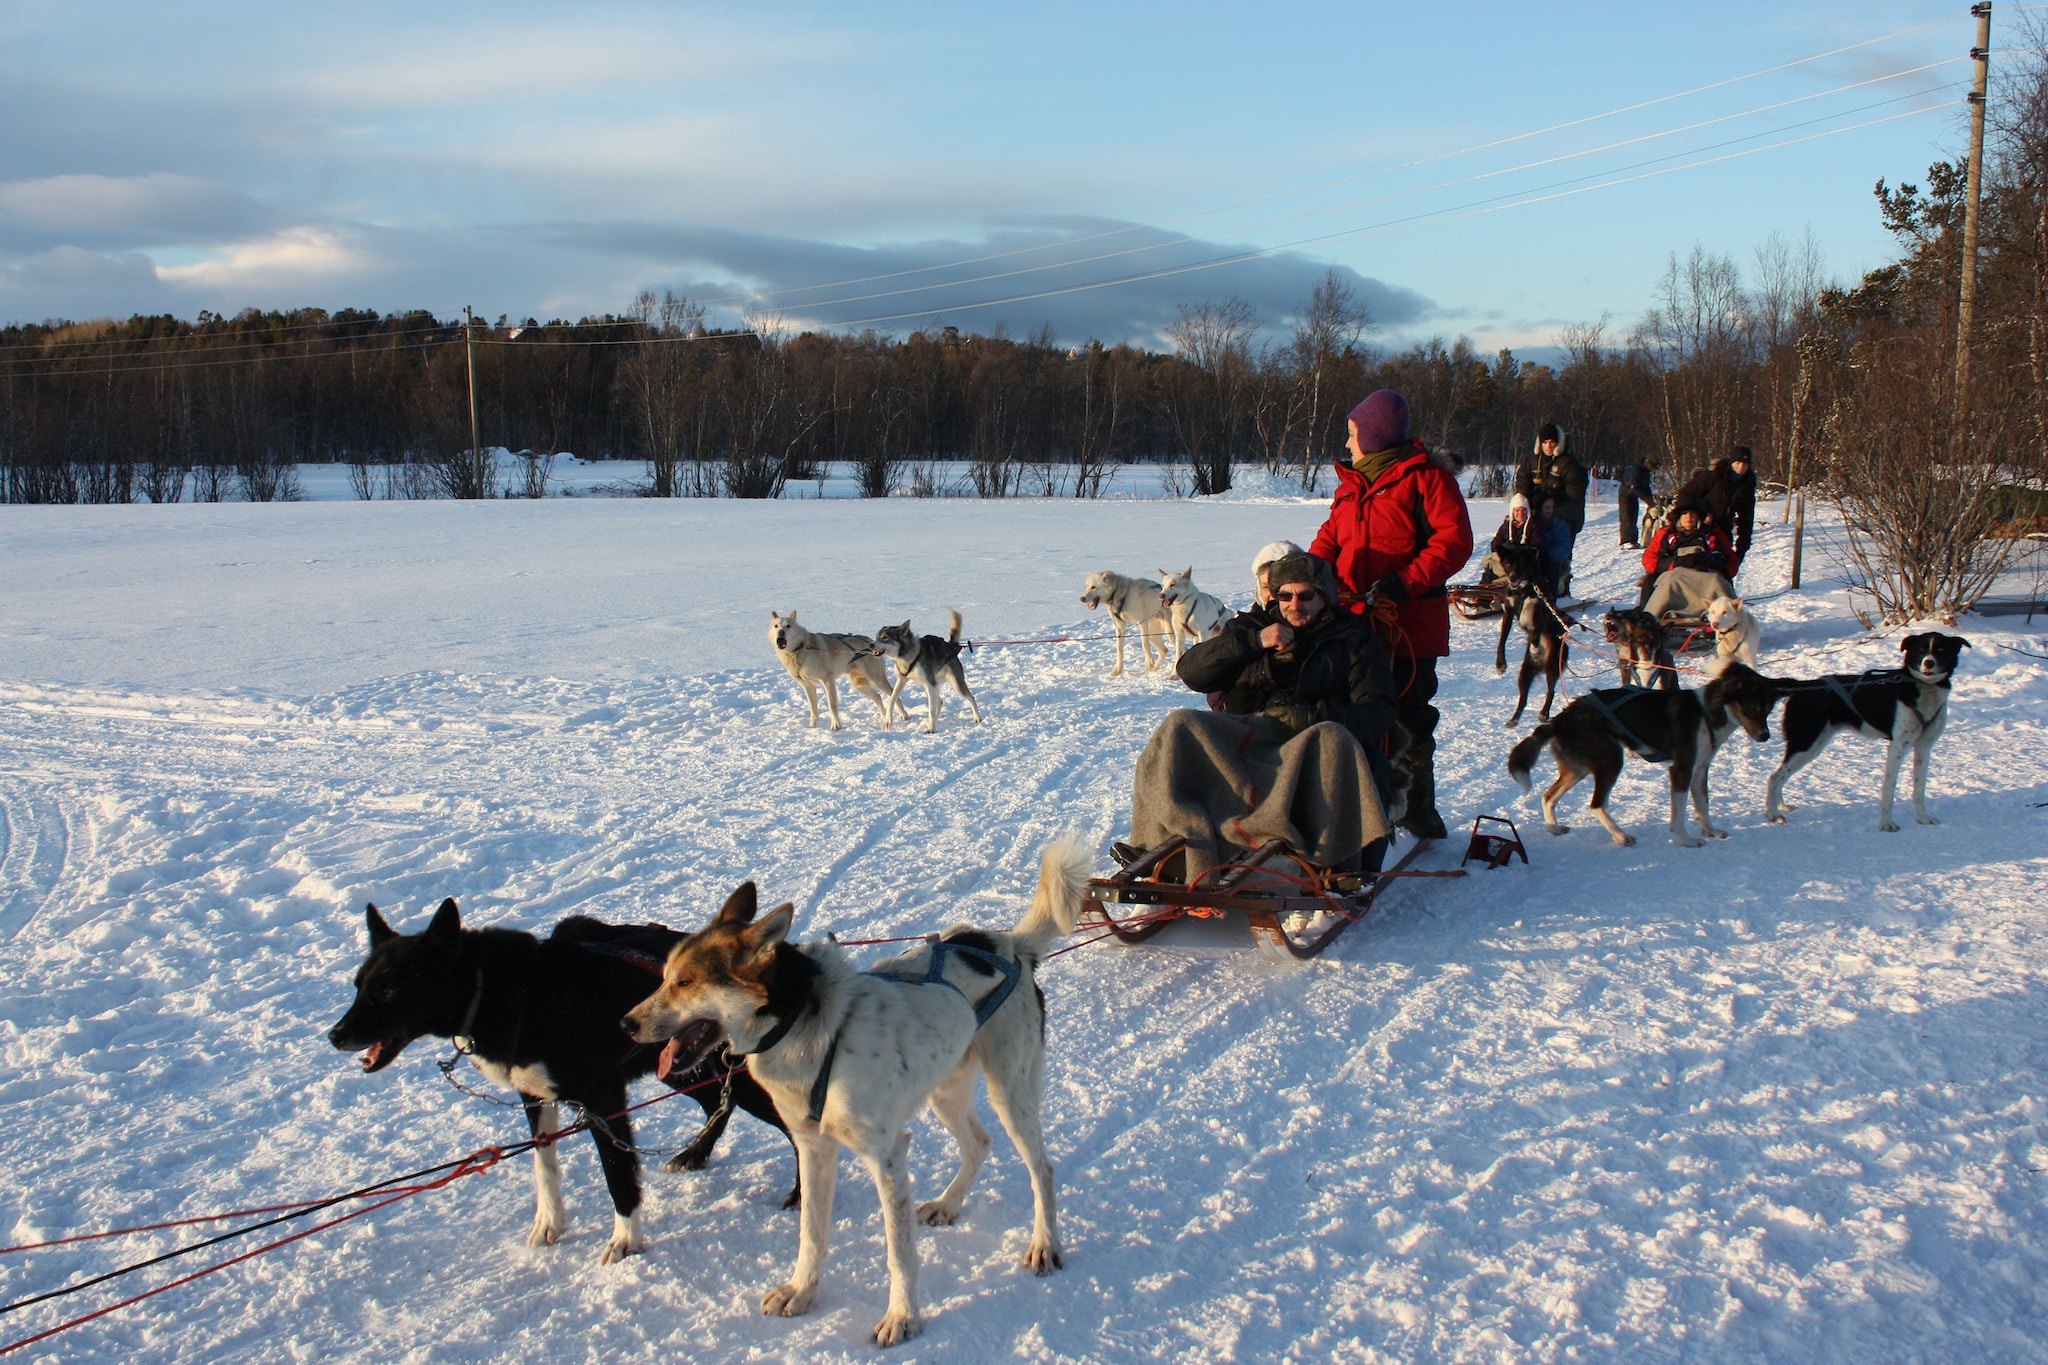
pixel 1528 604
pixel 1906 707
pixel 928 659
pixel 1682 728
pixel 540 1017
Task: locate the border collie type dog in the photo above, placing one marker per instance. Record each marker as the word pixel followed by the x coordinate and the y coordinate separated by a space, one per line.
pixel 814 657
pixel 1196 614
pixel 1683 728
pixel 850 1057
pixel 1907 707
pixel 538 1016
pixel 1737 632
pixel 1131 602
pixel 928 659
pixel 1642 649
pixel 1547 647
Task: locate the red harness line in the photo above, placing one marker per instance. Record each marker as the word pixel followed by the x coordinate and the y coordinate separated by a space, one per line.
pixel 477 1162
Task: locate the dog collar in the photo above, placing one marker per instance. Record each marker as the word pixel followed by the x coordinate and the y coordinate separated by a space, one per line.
pixel 774 1035
pixel 469 1016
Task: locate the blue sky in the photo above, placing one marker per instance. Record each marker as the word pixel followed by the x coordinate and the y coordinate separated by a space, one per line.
pixel 553 160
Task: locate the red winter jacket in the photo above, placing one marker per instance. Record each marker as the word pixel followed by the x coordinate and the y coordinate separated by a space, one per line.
pixel 1411 521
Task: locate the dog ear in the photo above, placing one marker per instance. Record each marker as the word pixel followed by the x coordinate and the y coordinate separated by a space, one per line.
pixel 1735 602
pixel 447 921
pixel 1960 640
pixel 739 907
pixel 905 627
pixel 772 930
pixel 380 932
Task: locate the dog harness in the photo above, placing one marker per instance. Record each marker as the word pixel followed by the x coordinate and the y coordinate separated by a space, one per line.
pixel 1649 753
pixel 941 949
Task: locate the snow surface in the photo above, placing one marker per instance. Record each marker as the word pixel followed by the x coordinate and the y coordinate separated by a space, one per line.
pixel 1776 1097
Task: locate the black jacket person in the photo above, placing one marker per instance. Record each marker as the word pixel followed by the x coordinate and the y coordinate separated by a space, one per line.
pixel 1333 669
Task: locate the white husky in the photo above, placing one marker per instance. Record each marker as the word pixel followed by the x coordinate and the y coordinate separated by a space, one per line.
pixel 813 657
pixel 1196 614
pixel 1131 602
pixel 1737 632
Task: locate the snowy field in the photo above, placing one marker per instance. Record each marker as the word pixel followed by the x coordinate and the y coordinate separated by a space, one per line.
pixel 1779 1097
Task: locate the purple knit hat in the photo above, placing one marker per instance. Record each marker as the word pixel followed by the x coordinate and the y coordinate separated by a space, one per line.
pixel 1382 421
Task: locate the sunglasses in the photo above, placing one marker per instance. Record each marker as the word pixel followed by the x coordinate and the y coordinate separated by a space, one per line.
pixel 1306 595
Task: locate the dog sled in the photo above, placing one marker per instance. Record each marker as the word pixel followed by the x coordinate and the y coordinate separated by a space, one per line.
pixel 1687 634
pixel 1293 908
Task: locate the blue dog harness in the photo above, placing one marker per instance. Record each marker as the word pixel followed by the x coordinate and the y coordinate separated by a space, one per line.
pixel 933 976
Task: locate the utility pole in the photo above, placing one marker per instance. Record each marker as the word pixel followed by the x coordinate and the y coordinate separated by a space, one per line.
pixel 476 462
pixel 1981 54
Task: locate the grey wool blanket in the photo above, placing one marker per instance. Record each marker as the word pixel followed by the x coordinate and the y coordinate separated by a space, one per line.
pixel 1228 784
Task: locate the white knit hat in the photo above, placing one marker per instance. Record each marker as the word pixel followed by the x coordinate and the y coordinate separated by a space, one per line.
pixel 1518 500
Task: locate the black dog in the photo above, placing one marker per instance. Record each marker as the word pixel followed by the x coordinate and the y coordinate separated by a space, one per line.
pixel 1682 728
pixel 1906 707
pixel 1529 604
pixel 1642 648
pixel 540 1016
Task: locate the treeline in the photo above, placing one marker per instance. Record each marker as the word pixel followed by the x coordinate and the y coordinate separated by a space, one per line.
pixel 159 408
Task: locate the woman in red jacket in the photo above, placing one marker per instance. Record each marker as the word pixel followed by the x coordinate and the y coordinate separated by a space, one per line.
pixel 1397 531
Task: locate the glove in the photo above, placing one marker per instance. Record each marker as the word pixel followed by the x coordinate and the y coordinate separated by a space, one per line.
pixel 1391 589
pixel 1296 716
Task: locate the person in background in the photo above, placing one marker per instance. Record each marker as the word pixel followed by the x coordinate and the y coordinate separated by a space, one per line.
pixel 1398 529
pixel 1728 491
pixel 1634 491
pixel 1554 538
pixel 1553 471
pixel 1279 549
pixel 1514 530
pixel 1687 563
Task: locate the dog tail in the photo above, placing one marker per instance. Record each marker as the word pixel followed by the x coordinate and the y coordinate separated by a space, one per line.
pixel 1523 756
pixel 953 635
pixel 1063 870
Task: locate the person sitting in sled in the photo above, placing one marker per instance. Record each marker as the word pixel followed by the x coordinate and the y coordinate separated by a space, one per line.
pixel 1299 750
pixel 1688 563
pixel 1515 529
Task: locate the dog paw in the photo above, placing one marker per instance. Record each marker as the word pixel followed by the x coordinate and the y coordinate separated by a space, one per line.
pixel 1625 841
pixel 794 1199
pixel 938 1214
pixel 897 1328
pixel 1925 820
pixel 1714 833
pixel 689 1159
pixel 1559 829
pixel 1773 818
pixel 618 1249
pixel 1043 1258
pixel 1685 841
pixel 1887 828
pixel 545 1232
pixel 788 1301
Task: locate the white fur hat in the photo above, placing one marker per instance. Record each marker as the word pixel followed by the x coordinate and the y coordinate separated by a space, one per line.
pixel 1279 549
pixel 1517 501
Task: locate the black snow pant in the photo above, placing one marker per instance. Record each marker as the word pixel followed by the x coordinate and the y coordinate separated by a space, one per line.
pixel 1631 515
pixel 1415 684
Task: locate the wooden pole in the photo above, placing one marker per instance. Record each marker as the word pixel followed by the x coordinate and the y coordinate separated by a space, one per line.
pixel 1967 302
pixel 476 462
pixel 1798 535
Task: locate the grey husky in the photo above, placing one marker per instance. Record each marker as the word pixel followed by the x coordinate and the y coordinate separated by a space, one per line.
pixel 814 657
pixel 928 659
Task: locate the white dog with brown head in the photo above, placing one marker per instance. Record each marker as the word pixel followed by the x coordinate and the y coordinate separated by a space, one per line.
pixel 849 1057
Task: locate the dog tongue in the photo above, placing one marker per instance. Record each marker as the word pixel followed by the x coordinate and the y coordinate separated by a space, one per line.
pixel 667 1060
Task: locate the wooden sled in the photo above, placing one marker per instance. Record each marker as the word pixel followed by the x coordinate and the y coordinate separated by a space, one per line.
pixel 1688 634
pixel 1477 601
pixel 1294 909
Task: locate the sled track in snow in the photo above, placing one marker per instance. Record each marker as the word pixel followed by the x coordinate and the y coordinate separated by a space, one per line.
pixel 38 842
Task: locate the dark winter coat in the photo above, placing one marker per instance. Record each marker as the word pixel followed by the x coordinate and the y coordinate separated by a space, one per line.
pixel 1704 548
pixel 1635 480
pixel 1555 537
pixel 1732 497
pixel 1511 534
pixel 1559 476
pixel 1335 669
pixel 1412 522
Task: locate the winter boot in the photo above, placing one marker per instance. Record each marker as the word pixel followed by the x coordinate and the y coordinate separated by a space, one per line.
pixel 1421 818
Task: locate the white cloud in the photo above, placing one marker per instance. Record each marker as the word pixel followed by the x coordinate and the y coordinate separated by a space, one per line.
pixel 157 206
pixel 309 256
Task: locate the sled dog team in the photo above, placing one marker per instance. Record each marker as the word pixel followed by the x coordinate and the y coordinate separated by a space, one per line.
pixel 834 1056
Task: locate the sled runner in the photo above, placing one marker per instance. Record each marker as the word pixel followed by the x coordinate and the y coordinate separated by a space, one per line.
pixel 1294 908
pixel 1477 601
pixel 1688 634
